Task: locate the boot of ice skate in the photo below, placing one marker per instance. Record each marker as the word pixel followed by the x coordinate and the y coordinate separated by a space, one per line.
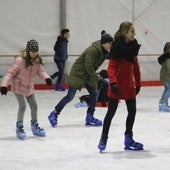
pixel 53 118
pixel 59 87
pixel 36 130
pixel 130 143
pixel 20 130
pixel 163 106
pixel 92 121
pixel 102 143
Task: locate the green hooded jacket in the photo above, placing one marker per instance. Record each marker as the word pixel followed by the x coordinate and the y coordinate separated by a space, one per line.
pixel 84 69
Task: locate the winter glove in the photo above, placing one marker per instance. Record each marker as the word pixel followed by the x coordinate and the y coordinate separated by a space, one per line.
pixel 4 90
pixel 137 89
pixel 48 81
pixel 103 81
pixel 114 88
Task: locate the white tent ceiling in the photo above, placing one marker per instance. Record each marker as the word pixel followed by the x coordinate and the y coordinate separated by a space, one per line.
pixel 22 20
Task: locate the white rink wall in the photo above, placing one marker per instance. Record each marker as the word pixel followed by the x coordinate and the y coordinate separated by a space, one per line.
pixel 148 64
pixel 18 25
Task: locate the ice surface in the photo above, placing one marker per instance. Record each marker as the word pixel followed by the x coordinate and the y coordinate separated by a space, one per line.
pixel 72 146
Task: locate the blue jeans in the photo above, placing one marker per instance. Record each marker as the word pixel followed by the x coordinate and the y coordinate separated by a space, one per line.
pixel 60 72
pixel 166 92
pixel 93 92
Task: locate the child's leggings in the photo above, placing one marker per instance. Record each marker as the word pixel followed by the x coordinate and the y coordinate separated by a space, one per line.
pixel 22 106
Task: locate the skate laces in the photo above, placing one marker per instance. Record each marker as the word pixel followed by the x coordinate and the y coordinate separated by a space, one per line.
pixel 94 120
pixel 20 130
pixel 36 126
pixel 103 142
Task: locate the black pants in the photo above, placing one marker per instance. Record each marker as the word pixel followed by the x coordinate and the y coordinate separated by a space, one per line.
pixel 113 104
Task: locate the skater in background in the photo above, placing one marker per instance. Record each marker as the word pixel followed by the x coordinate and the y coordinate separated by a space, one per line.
pixel 60 57
pixel 102 88
pixel 164 61
pixel 123 70
pixel 23 74
pixel 102 92
pixel 83 73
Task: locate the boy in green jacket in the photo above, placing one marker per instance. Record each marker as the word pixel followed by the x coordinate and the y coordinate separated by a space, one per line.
pixel 83 74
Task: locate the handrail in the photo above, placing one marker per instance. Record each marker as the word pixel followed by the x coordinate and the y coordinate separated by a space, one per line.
pixel 76 55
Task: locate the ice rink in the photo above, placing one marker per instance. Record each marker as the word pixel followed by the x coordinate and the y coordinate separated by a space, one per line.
pixel 72 146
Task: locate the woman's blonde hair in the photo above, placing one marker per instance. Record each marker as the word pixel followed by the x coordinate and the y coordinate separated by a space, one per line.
pixel 123 29
pixel 22 52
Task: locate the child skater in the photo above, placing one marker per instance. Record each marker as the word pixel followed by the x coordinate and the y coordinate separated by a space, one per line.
pixel 23 73
pixel 83 73
pixel 164 61
pixel 60 57
pixel 123 68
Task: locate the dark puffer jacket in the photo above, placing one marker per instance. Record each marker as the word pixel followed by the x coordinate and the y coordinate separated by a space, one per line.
pixel 60 49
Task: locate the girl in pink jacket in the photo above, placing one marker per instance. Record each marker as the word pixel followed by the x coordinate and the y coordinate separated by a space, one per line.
pixel 22 76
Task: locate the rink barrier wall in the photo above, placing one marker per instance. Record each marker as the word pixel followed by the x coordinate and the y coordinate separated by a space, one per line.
pixel 52 87
pixel 148 65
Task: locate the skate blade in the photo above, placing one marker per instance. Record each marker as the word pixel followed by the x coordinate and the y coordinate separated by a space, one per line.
pixel 95 125
pixel 101 149
pixel 133 149
pixel 21 138
pixel 39 135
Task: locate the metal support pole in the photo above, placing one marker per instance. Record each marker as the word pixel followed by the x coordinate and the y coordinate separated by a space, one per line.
pixel 62 14
pixel 133 11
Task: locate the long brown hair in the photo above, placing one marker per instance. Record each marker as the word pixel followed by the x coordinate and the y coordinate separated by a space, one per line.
pixel 123 29
pixel 167 48
pixel 28 61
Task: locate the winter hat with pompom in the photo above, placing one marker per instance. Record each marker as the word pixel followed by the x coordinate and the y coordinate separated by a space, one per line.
pixel 105 37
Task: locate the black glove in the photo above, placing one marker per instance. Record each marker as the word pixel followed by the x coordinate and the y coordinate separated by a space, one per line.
pixel 48 81
pixel 114 88
pixel 137 89
pixel 4 90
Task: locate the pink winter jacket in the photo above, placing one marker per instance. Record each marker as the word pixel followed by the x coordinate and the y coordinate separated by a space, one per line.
pixel 22 78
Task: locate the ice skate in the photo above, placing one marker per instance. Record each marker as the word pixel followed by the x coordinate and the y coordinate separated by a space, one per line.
pixel 130 144
pixel 91 121
pixel 59 87
pixel 163 106
pixel 36 130
pixel 20 131
pixel 102 144
pixel 53 118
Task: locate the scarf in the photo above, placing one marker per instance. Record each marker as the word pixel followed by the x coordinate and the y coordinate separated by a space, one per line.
pixel 163 57
pixel 128 50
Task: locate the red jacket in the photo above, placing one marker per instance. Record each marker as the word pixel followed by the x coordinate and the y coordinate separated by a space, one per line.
pixel 127 75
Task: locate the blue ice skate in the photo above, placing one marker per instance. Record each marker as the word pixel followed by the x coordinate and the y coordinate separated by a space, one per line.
pixel 130 144
pixel 102 144
pixel 59 87
pixel 36 130
pixel 20 131
pixel 163 106
pixel 91 121
pixel 53 118
pixel 82 104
